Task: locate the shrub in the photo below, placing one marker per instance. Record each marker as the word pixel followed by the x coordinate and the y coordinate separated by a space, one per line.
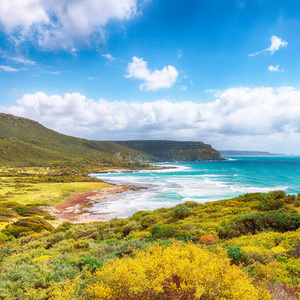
pixel 192 204
pixel 297 203
pixel 261 221
pixel 209 239
pixel 163 232
pixel 28 210
pixel 175 272
pixel 237 255
pixel 277 194
pixel 272 205
pixel 27 226
pixel 90 262
pixel 181 211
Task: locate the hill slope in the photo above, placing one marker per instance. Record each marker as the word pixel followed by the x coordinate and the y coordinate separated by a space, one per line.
pixel 23 142
pixel 174 150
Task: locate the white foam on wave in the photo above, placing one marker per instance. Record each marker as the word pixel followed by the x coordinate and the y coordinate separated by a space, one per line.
pixel 169 187
pixel 125 204
pixel 171 169
pixel 251 189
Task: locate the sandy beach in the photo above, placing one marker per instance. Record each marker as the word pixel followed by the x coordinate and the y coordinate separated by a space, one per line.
pixel 77 208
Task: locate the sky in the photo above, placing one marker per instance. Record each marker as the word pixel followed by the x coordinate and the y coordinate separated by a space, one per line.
pixel 224 72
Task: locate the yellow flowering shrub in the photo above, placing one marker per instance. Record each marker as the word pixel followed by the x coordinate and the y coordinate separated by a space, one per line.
pixel 273 271
pixel 263 255
pixel 67 290
pixel 41 258
pixel 141 234
pixel 179 271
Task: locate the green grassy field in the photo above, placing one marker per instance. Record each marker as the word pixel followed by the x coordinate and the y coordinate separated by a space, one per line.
pixel 46 193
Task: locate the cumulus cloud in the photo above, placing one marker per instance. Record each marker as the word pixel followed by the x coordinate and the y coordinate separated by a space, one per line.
pixel 153 81
pixel 276 44
pixel 64 23
pixel 274 69
pixel 237 118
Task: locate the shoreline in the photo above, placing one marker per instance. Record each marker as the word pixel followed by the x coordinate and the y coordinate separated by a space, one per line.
pixel 107 171
pixel 76 209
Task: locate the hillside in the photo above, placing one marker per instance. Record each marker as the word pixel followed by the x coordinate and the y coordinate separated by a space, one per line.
pixel 23 142
pixel 26 142
pixel 174 150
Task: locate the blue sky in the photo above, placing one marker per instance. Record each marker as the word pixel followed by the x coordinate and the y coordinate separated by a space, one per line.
pixel 225 72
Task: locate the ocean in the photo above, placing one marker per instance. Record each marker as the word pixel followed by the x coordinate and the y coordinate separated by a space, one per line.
pixel 201 182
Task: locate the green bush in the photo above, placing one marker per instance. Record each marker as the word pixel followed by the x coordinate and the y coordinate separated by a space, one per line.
pixel 297 203
pixel 261 221
pixel 26 226
pixel 28 210
pixel 163 232
pixel 90 262
pixel 277 194
pixel 236 255
pixel 272 205
pixel 181 211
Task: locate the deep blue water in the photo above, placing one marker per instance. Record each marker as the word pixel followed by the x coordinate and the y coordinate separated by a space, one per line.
pixel 202 182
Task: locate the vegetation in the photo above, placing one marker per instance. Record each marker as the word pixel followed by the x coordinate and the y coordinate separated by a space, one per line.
pixel 41 186
pixel 24 142
pixel 174 150
pixel 247 247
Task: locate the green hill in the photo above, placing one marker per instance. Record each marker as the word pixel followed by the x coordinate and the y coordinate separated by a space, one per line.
pixel 174 150
pixel 26 142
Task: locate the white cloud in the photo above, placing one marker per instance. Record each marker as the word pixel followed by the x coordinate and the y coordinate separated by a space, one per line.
pixel 276 44
pixel 22 60
pixel 238 118
pixel 8 69
pixel 109 57
pixel 153 81
pixel 17 59
pixel 273 69
pixel 62 24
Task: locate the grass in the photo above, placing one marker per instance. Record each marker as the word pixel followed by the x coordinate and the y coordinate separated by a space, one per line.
pixel 49 193
pixel 14 188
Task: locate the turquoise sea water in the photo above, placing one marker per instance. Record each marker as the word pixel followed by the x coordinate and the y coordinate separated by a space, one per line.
pixel 201 182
